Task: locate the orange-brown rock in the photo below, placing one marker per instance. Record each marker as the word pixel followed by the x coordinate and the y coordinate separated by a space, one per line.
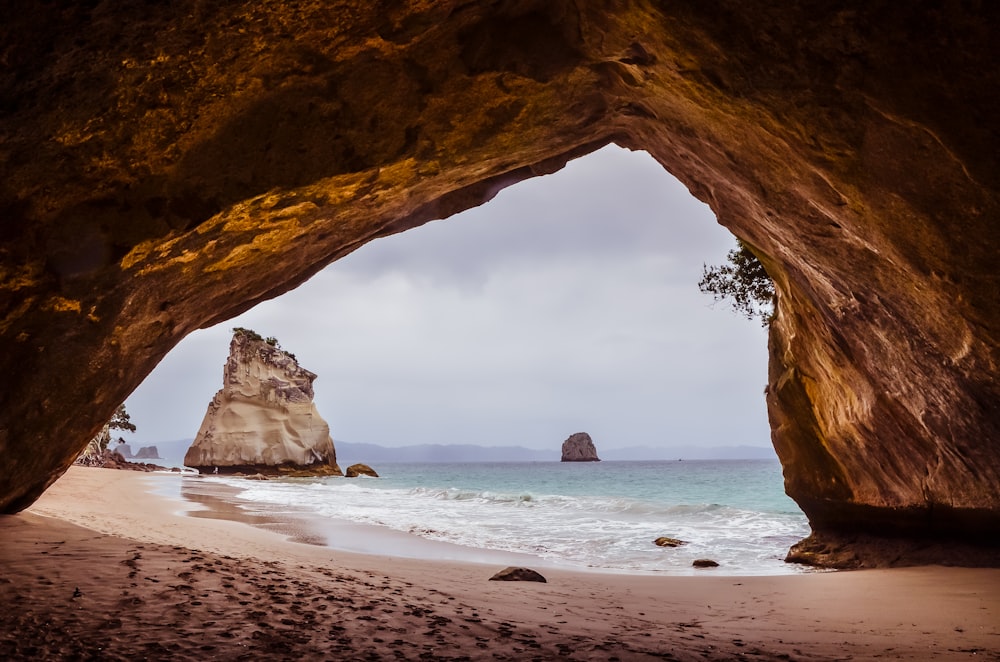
pixel 360 469
pixel 167 165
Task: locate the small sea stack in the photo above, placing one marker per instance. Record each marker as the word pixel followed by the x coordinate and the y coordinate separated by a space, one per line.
pixel 579 447
pixel 264 419
pixel 360 469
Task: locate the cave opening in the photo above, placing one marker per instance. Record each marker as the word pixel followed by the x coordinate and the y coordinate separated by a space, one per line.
pixel 568 303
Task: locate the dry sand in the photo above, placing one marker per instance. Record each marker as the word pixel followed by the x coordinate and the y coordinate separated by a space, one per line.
pixel 101 567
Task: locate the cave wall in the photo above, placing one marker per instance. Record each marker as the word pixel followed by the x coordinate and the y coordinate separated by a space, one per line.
pixel 167 167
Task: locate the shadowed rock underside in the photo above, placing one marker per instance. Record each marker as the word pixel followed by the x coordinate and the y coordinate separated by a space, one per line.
pixel 165 167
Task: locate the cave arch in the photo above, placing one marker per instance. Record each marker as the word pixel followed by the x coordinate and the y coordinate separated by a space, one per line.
pixel 568 302
pixel 167 167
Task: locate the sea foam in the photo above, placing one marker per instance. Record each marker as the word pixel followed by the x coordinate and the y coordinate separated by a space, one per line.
pixel 601 516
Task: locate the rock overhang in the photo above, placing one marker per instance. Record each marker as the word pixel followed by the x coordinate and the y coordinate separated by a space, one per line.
pixel 165 168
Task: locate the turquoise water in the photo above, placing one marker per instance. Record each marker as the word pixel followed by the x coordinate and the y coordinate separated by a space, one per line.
pixel 752 484
pixel 601 515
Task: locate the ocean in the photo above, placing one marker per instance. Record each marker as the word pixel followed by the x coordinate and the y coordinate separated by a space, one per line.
pixel 601 515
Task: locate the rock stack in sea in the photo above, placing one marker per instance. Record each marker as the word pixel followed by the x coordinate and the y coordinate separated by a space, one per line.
pixel 97 454
pixel 579 447
pixel 123 449
pixel 144 452
pixel 360 469
pixel 264 419
pixel 148 453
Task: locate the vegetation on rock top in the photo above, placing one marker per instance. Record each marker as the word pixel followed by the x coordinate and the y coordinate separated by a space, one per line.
pixel 270 340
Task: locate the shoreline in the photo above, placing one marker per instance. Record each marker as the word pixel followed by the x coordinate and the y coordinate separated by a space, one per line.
pixel 222 501
pixel 480 518
pixel 106 562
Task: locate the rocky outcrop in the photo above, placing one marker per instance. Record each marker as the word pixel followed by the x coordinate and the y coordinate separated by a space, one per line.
pixel 264 419
pixel 513 574
pixel 579 447
pixel 164 166
pixel 144 452
pixel 147 453
pixel 359 469
pixel 108 459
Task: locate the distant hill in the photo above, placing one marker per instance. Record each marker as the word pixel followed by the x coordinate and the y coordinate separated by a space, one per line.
pixel 689 453
pixel 171 452
pixel 349 453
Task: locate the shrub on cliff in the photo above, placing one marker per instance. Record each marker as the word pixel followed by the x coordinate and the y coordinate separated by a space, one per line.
pixel 96 451
pixel 743 281
pixel 249 333
pixel 270 340
pixel 120 420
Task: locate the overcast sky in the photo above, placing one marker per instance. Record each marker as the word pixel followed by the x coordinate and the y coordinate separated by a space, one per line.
pixel 568 303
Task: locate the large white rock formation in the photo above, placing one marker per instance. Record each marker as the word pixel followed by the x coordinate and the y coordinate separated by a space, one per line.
pixel 264 419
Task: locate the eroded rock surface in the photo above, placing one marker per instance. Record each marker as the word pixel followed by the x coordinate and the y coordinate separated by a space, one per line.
pixel 167 165
pixel 263 420
pixel 579 447
pixel 360 469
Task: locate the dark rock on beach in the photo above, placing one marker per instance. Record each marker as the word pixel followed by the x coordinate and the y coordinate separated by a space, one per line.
pixel 517 575
pixel 705 563
pixel 860 551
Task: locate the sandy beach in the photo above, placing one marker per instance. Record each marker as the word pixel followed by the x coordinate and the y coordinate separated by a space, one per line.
pixel 106 565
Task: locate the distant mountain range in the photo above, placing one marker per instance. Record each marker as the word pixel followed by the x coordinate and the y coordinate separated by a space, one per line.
pixel 689 453
pixel 349 453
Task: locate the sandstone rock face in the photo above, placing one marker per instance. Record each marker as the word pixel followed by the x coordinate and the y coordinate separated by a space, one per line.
pixel 579 447
pixel 164 166
pixel 264 419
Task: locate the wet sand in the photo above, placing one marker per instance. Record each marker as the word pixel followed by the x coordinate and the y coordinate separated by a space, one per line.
pixel 107 565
